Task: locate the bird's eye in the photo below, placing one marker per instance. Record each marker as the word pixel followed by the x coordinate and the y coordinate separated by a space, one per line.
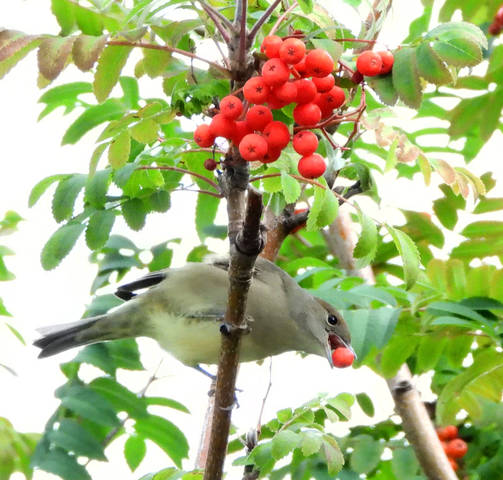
pixel 332 320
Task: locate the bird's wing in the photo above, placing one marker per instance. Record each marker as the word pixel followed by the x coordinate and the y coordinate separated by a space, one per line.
pixel 125 292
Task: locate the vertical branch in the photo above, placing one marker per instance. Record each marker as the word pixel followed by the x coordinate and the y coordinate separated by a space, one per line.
pixel 242 32
pixel 262 20
pixel 222 24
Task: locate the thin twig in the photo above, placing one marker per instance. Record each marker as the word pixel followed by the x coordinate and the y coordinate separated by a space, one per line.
pixel 255 29
pixel 167 48
pixel 217 17
pixel 181 170
pixel 206 192
pixel 280 20
pixel 259 422
pixel 242 32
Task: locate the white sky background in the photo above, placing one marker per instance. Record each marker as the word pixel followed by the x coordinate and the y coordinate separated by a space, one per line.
pixel 31 151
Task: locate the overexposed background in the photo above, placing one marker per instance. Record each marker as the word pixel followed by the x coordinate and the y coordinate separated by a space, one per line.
pixel 31 151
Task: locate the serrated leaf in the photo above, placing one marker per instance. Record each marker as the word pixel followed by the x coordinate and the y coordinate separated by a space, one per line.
pixel 332 454
pixel 86 50
pixel 134 213
pixel 160 201
pixel 391 159
pixel 64 12
pixel 14 46
pixel 311 443
pixel 366 404
pixel 145 131
pixel 406 77
pixel 65 195
pixel 97 187
pixel 306 6
pixel 283 443
pixel 429 351
pixel 61 463
pixel 430 65
pixel 450 30
pixel 71 436
pixel 366 247
pixel 489 205
pixel 425 167
pixel 39 189
pixel 118 153
pixel 155 61
pixel 316 208
pixel 329 209
pixel 409 254
pixel 60 244
pixel 134 451
pixel 166 435
pixel 53 55
pixel 483 229
pixel 366 455
pixel 93 116
pixel 383 86
pixel 110 64
pixel 290 188
pixel 99 228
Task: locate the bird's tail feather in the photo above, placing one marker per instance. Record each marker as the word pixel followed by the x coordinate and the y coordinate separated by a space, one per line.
pixel 57 338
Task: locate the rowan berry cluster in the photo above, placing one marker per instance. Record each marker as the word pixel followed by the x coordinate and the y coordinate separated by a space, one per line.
pixel 453 446
pixel 290 75
pixel 497 24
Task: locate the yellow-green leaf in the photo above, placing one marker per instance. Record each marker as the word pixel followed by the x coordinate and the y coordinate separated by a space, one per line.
pixel 110 64
pixel 118 153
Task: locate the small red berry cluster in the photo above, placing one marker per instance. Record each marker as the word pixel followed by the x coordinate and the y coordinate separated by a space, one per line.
pixel 497 24
pixel 370 63
pixel 453 446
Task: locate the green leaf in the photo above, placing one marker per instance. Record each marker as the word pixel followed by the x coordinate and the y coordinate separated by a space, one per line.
pixel 72 437
pixel 39 189
pixel 366 455
pixel 122 399
pixel 53 55
pixel 366 246
pixel 59 244
pixel 284 442
pixel 483 229
pixel 448 31
pixel 406 77
pixel 290 187
pixel 65 15
pixel 167 402
pixel 409 253
pixel 482 378
pixel 404 463
pixel 134 451
pixel 206 211
pixel 14 46
pixel 429 351
pixel 166 435
pixel 396 353
pixel 134 213
pixel 155 62
pixel 316 208
pixel 118 153
pixel 391 159
pixel 145 131
pixel 110 64
pixel 97 187
pixel 430 66
pixel 306 6
pixel 93 116
pixel 160 201
pixel 86 50
pixel 478 248
pixel 60 463
pixel 366 404
pixel 383 86
pixel 89 404
pixel 99 228
pixel 329 209
pixel 65 195
pixel 332 454
pixel 311 443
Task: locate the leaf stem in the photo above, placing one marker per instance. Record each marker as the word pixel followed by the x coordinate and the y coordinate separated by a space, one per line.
pixel 181 170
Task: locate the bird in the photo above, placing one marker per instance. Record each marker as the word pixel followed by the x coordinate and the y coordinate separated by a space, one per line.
pixel 184 308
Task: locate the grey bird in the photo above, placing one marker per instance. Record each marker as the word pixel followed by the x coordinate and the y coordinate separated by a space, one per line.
pixel 183 308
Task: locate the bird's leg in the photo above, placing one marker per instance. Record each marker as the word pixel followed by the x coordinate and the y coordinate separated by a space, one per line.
pixel 205 372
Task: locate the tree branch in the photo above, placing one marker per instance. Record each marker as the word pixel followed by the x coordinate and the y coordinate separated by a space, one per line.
pixel 217 17
pixel 182 170
pixel 258 24
pixel 167 48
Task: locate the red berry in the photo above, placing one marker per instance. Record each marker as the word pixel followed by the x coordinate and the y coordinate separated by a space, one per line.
pixel 272 155
pixel 306 90
pixel 258 117
pixel 387 61
pixel 312 166
pixel 270 46
pixel 332 99
pixel 305 142
pixel 241 129
pixel 253 147
pixel 273 102
pixel 300 67
pixel 275 72
pixel 494 28
pixel 447 433
pixel 324 84
pixel 203 136
pixel 454 464
pixel 342 357
pixel 498 18
pixel 369 63
pixel 308 114
pixel 286 93
pixel 319 63
pixel 277 135
pixel 456 448
pixel 255 90
pixel 210 164
pixel 221 126
pixel 292 51
pixel 357 77
pixel 231 107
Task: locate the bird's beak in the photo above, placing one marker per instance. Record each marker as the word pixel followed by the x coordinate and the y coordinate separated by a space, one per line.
pixel 333 342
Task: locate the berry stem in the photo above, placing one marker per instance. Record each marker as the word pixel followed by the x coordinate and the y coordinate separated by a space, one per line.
pixel 167 48
pixel 181 170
